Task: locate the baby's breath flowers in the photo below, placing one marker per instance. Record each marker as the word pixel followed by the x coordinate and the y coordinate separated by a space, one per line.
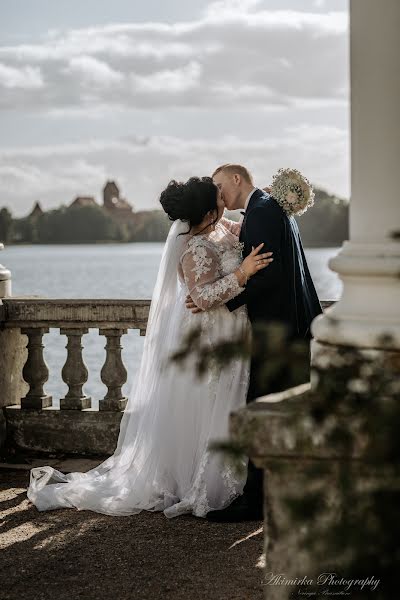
pixel 292 191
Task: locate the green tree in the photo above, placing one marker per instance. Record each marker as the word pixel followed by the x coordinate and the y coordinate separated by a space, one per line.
pixel 77 225
pixel 24 230
pixel 326 223
pixel 150 226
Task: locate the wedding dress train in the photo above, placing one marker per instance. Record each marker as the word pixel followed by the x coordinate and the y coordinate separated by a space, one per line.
pixel 162 461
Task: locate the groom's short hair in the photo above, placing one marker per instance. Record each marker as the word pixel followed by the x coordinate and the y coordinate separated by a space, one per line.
pixel 232 169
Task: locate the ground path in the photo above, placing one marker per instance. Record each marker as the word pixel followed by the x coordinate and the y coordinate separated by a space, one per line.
pixel 70 554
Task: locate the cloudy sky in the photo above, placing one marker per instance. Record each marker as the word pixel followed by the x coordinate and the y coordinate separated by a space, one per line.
pixel 141 92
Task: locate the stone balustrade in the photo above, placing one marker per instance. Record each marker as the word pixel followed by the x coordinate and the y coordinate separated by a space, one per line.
pixel 31 415
pixel 33 421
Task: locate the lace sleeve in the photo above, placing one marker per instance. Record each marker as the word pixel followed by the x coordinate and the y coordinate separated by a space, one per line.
pixel 206 286
pixel 232 226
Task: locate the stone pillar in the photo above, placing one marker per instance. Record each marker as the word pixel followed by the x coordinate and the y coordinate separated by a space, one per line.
pixel 13 355
pixel 369 263
pixel 315 487
pixel 35 370
pixel 5 280
pixel 74 372
pixel 113 374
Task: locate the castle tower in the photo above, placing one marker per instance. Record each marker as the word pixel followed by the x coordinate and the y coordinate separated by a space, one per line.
pixel 110 195
pixel 36 210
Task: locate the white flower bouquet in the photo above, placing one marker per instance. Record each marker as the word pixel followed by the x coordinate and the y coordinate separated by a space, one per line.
pixel 292 191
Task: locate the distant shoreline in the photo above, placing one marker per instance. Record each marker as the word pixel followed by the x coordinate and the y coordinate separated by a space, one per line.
pixel 120 243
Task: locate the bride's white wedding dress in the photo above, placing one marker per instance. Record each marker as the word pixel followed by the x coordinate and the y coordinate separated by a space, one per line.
pixel 162 461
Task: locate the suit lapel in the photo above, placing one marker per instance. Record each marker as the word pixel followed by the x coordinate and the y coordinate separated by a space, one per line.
pixel 256 195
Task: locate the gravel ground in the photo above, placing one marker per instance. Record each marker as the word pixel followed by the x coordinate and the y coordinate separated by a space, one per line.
pixel 69 554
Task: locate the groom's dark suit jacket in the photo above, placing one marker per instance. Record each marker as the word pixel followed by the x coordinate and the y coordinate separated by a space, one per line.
pixel 283 291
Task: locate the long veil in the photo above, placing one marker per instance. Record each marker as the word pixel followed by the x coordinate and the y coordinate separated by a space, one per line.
pixel 102 488
pixel 160 333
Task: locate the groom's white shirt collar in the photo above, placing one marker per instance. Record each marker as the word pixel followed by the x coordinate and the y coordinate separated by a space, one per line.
pixel 248 198
pixel 246 204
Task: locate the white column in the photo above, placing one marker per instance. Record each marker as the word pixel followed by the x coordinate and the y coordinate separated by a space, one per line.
pixel 5 280
pixel 369 264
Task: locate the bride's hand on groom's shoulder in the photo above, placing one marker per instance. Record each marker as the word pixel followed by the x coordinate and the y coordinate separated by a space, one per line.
pixel 191 305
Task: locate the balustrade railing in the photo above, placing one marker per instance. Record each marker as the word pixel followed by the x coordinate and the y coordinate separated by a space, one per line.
pixel 33 420
pixel 34 317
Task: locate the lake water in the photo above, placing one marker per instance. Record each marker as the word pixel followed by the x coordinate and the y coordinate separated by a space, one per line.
pixel 109 271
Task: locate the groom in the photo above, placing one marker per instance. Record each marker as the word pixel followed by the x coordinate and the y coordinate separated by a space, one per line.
pixel 283 292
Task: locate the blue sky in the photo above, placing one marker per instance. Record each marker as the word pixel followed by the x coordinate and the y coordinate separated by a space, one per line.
pixel 142 92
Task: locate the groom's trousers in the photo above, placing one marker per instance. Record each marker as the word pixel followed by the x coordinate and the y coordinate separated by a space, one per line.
pixel 259 386
pixel 254 489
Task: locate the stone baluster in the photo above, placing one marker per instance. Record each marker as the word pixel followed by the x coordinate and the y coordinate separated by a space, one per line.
pixel 35 371
pixel 113 373
pixel 74 372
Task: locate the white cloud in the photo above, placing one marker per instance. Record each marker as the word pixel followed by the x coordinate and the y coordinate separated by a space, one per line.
pixel 92 70
pixel 23 78
pixel 34 179
pixel 173 81
pixel 228 8
pixel 143 166
pixel 237 55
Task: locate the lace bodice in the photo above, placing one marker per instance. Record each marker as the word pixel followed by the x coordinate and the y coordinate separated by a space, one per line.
pixel 208 264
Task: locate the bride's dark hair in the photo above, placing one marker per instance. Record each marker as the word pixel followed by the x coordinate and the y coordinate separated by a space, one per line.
pixel 190 201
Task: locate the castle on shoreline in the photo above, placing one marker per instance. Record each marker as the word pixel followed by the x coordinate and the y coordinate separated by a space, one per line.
pixel 117 207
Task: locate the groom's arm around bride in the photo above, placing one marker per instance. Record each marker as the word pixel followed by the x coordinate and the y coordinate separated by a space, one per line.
pixel 262 223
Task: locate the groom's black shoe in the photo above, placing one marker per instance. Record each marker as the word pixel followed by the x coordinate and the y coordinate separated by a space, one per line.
pixel 241 509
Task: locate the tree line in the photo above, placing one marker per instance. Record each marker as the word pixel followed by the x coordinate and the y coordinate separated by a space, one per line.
pixel 82 224
pixel 325 224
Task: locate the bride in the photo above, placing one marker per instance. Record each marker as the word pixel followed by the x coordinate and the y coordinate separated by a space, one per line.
pixel 162 461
